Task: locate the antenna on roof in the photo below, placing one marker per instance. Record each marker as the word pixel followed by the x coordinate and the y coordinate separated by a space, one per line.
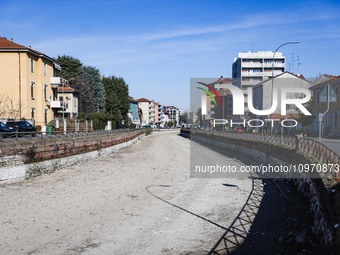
pixel 293 59
pixel 299 63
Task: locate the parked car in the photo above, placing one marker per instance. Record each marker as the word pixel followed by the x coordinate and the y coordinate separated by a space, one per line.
pixel 239 130
pixel 21 126
pixel 4 130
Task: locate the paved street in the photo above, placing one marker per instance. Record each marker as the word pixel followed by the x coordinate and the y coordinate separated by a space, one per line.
pixel 137 201
pixel 333 144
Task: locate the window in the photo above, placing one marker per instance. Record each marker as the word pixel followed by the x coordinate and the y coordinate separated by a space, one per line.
pixel 32 65
pixel 45 91
pixel 318 97
pixel 45 116
pixel 32 89
pixel 45 69
pixel 32 112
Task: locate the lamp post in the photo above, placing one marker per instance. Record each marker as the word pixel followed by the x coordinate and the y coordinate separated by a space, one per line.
pixel 293 42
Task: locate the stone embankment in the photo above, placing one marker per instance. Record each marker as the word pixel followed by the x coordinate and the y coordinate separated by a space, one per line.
pixel 313 189
pixel 26 158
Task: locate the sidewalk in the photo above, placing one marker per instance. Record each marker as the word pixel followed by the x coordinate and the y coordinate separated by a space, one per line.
pixel 333 144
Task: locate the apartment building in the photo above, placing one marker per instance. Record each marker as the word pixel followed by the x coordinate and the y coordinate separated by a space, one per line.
pixel 156 113
pixel 65 105
pixel 148 109
pixel 251 68
pixel 173 113
pixel 26 78
pixel 255 67
pixel 330 121
pixel 133 113
pixel 162 116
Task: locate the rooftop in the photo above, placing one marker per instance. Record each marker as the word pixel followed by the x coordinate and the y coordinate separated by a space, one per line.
pixel 332 81
pixel 140 100
pixel 10 46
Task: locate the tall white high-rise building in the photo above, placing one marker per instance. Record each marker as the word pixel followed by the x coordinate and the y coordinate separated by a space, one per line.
pixel 251 68
pixel 255 67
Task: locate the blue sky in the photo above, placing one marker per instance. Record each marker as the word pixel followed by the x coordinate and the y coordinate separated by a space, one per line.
pixel 157 46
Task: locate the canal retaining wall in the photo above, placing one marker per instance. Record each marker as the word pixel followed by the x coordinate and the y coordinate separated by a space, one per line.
pixel 28 158
pixel 312 188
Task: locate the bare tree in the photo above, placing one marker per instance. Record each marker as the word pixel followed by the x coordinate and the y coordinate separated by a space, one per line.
pixel 9 107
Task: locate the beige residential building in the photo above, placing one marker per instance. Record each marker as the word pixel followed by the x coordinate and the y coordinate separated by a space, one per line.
pixel 26 78
pixel 146 107
pixel 66 103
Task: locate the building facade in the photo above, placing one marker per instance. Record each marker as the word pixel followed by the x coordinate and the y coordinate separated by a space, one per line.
pixel 67 99
pixel 330 121
pixel 262 99
pixel 133 113
pixel 251 68
pixel 162 116
pixel 27 78
pixel 156 113
pixel 255 67
pixel 262 93
pixel 173 114
pixel 147 108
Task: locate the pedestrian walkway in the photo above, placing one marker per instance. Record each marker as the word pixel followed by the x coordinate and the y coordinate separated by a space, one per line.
pixel 333 144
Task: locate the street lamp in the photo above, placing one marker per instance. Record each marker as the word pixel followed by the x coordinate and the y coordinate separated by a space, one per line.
pixel 277 50
pixel 293 42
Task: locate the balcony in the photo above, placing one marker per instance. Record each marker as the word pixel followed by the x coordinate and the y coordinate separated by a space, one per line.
pixel 270 65
pixel 57 81
pixel 58 104
pixel 251 64
pixel 260 74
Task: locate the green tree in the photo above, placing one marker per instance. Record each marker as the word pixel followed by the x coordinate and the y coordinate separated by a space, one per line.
pixel 117 97
pixel 69 66
pixel 91 90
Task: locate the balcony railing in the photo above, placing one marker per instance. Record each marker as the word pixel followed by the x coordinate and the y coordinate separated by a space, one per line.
pixel 59 104
pixel 259 74
pixel 57 81
pixel 275 65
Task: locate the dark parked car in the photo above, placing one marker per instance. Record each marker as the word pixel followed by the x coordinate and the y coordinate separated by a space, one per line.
pixel 21 126
pixel 4 130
